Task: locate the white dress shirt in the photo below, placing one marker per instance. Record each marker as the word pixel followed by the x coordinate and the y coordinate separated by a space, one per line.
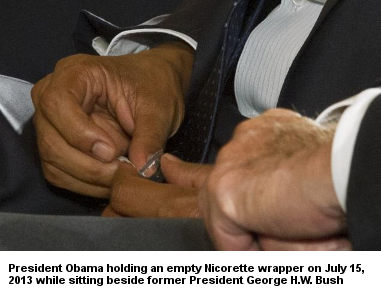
pixel 15 102
pixel 345 137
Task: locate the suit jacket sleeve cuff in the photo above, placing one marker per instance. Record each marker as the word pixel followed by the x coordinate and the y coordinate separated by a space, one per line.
pixel 350 114
pixel 140 39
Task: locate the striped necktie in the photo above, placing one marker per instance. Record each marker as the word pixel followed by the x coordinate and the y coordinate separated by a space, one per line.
pixel 192 141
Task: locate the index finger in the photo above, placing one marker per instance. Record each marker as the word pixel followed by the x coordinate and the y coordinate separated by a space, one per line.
pixel 135 196
pixel 64 102
pixel 182 173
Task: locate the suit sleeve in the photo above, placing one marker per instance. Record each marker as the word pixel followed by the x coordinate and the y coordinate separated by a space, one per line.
pixel 200 20
pixel 364 186
pixel 356 164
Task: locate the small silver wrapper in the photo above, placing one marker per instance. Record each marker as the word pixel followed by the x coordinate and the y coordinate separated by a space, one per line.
pixel 151 169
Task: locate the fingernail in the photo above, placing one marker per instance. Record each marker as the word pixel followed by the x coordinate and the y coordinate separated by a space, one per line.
pixel 103 151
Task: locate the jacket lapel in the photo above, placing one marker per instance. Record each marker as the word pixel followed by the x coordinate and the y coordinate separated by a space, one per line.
pixel 294 67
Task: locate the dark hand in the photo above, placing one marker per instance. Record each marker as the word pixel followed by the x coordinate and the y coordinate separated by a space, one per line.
pixel 92 109
pixel 135 196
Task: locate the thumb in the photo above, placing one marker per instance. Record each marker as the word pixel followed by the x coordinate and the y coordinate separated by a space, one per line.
pixel 149 136
pixel 183 173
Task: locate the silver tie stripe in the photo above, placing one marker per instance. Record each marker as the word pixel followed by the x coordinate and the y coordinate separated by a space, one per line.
pixel 269 53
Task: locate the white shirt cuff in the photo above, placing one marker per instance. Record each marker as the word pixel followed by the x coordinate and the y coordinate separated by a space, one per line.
pixel 15 101
pixel 124 42
pixel 345 136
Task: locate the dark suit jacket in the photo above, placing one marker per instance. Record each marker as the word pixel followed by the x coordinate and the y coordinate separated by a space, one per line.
pixel 28 206
pixel 340 58
pixel 364 187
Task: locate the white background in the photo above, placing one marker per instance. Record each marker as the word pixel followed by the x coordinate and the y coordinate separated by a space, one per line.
pixel 356 285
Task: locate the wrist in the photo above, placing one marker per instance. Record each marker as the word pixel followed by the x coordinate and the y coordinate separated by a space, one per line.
pixel 307 186
pixel 180 57
pixel 319 178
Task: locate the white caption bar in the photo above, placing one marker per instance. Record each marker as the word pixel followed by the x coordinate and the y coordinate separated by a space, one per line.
pixel 188 275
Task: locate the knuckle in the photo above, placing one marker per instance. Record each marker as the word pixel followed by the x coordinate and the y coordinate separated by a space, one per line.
pixel 228 153
pixel 82 138
pixel 63 62
pixel 95 174
pixel 51 175
pixel 35 94
pixel 46 148
pixel 243 126
pixel 224 154
pixel 273 111
pixel 85 131
pixel 254 131
pixel 73 60
pixel 247 127
pixel 48 101
pixel 225 194
pixel 215 183
pixel 224 189
pixel 80 57
pixel 38 89
pixel 281 112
